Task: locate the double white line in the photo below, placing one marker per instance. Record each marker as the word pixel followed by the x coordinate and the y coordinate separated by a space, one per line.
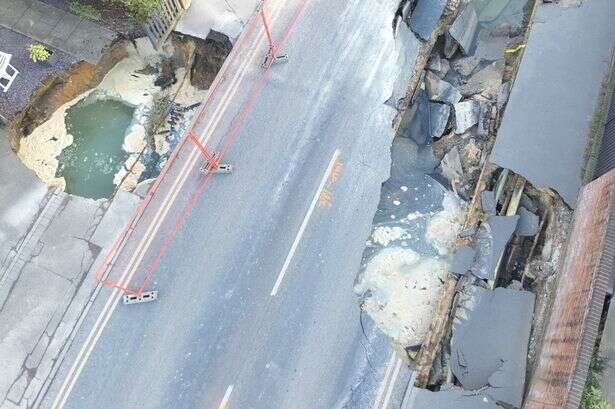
pixel 152 229
pixel 388 382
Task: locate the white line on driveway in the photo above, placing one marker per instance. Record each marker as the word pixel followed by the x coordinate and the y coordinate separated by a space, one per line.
pixel 293 248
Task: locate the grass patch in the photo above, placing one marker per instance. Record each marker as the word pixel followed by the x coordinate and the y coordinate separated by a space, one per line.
pixel 596 130
pixel 85 10
pixel 593 397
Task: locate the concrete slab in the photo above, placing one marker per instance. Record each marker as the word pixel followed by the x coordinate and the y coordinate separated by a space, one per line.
pixel 438 114
pixel 548 116
pixel 440 90
pixel 415 122
pixel 490 340
pixel 487 200
pixel 466 115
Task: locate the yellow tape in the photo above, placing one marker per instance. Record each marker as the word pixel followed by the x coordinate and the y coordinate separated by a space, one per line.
pixel 514 50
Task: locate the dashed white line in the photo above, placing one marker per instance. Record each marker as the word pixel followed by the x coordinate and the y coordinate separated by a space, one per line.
pixel 293 248
pixel 226 398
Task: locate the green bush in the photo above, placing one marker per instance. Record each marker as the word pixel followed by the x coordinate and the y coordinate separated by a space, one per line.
pixel 593 397
pixel 38 52
pixel 85 10
pixel 140 9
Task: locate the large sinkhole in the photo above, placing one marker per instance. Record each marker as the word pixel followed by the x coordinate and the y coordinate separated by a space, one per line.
pixel 98 127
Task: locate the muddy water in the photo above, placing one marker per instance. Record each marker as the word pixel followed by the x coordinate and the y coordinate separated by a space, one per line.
pixel 98 128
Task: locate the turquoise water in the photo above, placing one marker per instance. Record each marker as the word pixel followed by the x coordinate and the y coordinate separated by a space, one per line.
pixel 98 127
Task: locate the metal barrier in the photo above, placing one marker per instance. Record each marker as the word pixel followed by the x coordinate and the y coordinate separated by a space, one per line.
pixel 162 21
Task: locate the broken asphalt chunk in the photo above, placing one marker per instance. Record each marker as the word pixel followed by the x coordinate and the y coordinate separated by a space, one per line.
pixel 415 121
pixel 462 260
pixel 463 29
pixel 438 114
pixel 440 90
pixel 528 223
pixel 425 16
pixel 490 340
pixel 466 115
pixel 491 240
pixel 487 200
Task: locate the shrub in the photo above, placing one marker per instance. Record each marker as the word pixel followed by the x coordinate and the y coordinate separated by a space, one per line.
pixel 85 10
pixel 140 9
pixel 38 52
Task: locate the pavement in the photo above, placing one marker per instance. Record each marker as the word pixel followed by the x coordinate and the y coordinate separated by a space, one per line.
pixel 67 32
pixel 549 115
pixel 255 272
pixel 49 242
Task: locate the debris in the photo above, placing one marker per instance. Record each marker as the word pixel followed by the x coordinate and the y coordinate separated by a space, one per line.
pixel 489 341
pixel 451 166
pixel 486 81
pixel 439 114
pixel 514 49
pixel 438 65
pixel 442 229
pixel 465 65
pixel 528 223
pixel 466 115
pixel 415 121
pixel 491 239
pixel 463 29
pixel 440 90
pixel 425 16
pixel 503 94
pixel 470 155
pixel 462 260
pixel 453 398
pixel 487 200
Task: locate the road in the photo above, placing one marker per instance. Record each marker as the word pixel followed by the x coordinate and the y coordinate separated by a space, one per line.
pixel 255 269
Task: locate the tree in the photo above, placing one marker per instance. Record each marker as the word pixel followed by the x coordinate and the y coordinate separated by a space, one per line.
pixel 141 9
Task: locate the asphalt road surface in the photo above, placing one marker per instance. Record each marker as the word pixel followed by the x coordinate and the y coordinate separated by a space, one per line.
pixel 255 269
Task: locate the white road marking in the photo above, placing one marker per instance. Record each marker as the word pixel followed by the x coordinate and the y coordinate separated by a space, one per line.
pixel 385 404
pixel 226 398
pixel 135 261
pixel 385 381
pixel 293 248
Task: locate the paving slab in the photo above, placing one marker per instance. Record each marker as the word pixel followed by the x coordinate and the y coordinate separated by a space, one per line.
pixel 548 117
pixel 425 16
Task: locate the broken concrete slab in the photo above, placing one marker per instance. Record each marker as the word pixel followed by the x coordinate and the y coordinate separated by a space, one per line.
pixel 440 90
pixel 487 200
pixel 503 94
pixel 463 260
pixel 439 114
pixel 453 398
pixel 544 131
pixel 489 341
pixel 415 122
pixel 486 81
pixel 490 48
pixel 528 223
pixel 425 16
pixel 465 65
pixel 466 115
pixel 463 29
pixel 491 240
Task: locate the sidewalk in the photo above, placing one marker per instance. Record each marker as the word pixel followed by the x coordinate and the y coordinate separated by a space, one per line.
pixel 65 31
pixel 49 244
